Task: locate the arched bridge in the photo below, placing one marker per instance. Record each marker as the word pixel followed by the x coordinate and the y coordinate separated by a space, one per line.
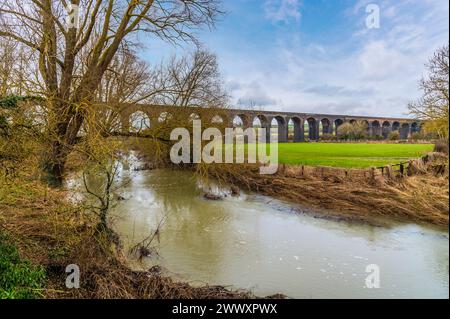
pixel 294 126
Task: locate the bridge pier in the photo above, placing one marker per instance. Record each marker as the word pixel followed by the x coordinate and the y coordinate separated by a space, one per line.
pixel 283 132
pixel 337 123
pixel 311 128
pixel 317 131
pixel 314 129
pixel 299 130
pixel 327 128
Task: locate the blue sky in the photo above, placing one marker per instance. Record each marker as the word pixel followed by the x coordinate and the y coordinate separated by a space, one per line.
pixel 319 56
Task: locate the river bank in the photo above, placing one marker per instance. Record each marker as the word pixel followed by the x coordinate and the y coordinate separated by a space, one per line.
pixel 50 233
pixel 349 194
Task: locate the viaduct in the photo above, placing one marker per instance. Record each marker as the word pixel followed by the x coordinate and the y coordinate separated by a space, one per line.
pixel 317 124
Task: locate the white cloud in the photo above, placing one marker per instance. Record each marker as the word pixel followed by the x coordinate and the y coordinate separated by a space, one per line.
pixel 282 10
pixel 391 12
pixel 252 93
pixel 379 62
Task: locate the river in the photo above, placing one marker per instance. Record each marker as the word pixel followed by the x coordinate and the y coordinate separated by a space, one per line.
pixel 270 246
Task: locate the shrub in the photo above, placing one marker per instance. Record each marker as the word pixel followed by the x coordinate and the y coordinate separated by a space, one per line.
pixel 417 136
pixel 377 138
pixel 11 101
pixel 394 136
pixel 345 129
pixel 353 131
pixel 19 279
pixel 328 137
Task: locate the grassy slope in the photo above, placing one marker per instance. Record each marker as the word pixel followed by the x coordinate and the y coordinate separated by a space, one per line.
pixel 349 155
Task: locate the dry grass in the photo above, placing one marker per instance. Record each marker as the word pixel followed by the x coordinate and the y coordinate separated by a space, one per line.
pixel 363 195
pixel 53 233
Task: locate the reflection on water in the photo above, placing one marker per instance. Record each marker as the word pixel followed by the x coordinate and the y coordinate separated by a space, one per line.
pixel 256 242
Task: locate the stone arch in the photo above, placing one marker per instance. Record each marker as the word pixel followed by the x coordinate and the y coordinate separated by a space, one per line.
pixel 261 121
pixel 139 121
pixel 264 121
pixel 257 122
pixel 396 126
pixel 376 128
pixel 282 126
pixel 194 116
pixel 367 124
pixel 240 120
pixel 290 125
pixel 164 117
pixel 386 129
pixel 404 131
pixel 217 119
pixel 415 127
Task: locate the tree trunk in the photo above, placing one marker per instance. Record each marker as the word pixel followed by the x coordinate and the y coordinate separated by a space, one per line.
pixel 53 165
pixel 71 119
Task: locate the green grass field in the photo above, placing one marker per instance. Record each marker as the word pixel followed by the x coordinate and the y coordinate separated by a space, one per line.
pixel 349 155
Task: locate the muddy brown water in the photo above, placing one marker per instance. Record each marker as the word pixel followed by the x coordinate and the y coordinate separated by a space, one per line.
pixel 269 246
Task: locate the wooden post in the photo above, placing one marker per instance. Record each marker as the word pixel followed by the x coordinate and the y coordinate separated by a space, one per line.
pixel 389 172
pixel 411 169
pixel 373 171
pixel 283 167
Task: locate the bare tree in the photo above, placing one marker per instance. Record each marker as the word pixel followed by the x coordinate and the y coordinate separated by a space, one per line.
pixel 73 58
pixel 190 81
pixel 249 105
pixel 7 53
pixel 433 106
pixel 14 66
pixel 127 80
